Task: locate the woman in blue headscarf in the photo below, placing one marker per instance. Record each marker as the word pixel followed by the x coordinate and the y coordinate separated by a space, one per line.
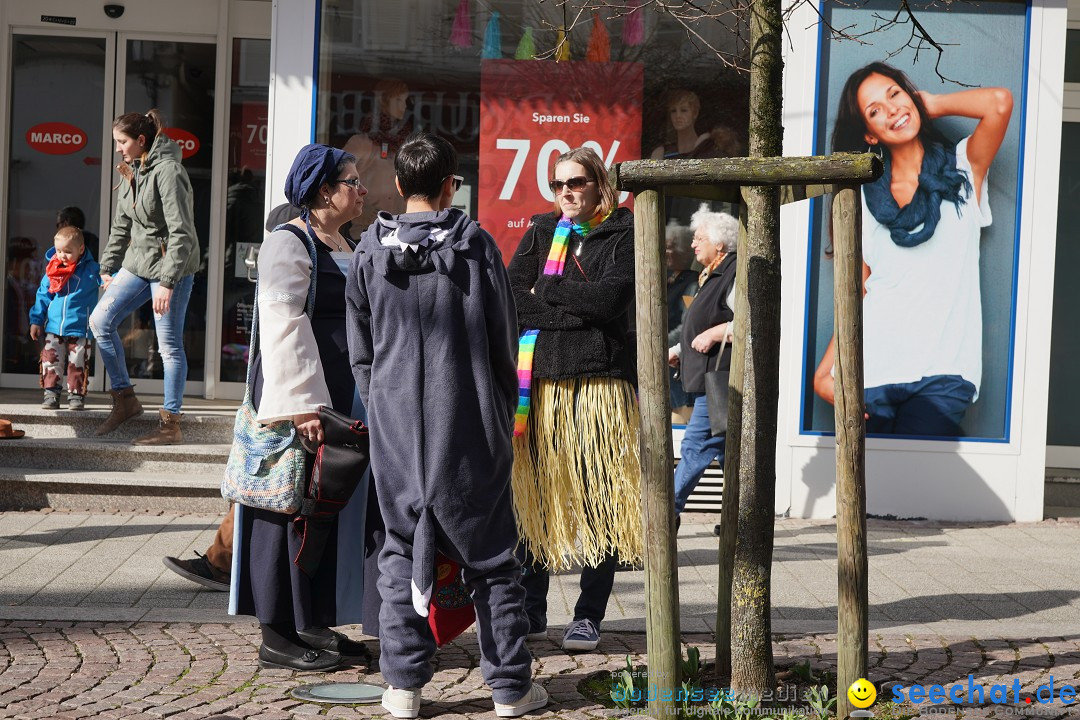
pixel 922 225
pixel 308 368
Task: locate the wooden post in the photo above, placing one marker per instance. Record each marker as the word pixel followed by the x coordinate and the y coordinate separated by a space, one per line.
pixel 729 510
pixel 657 488
pixel 852 606
pixel 749 171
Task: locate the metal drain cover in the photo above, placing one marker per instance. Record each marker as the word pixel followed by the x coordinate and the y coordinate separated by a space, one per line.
pixel 339 693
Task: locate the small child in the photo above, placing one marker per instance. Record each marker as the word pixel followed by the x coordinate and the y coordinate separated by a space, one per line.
pixel 433 345
pixel 65 299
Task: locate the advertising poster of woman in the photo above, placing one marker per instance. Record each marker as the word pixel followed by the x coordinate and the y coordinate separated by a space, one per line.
pixel 939 228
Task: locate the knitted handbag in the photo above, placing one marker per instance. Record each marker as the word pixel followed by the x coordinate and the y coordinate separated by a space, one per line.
pixel 265 469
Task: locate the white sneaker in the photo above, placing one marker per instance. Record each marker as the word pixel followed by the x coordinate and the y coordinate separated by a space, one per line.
pixel 536 636
pixel 535 699
pixel 402 702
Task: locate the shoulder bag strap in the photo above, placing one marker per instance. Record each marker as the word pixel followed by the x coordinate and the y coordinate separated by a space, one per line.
pixel 719 355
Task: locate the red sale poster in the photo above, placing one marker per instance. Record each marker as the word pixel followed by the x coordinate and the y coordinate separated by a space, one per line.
pixel 532 111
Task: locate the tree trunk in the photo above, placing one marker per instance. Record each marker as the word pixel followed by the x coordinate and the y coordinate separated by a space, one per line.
pixel 751 644
pixel 729 511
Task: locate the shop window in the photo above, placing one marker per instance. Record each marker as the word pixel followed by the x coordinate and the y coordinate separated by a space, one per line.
pixel 386 70
pixel 484 75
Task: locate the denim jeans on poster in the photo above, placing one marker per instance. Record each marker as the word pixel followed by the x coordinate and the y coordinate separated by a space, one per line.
pixel 126 294
pixel 698 449
pixel 931 407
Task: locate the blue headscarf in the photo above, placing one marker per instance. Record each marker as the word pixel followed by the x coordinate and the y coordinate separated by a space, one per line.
pixel 313 166
pixel 939 180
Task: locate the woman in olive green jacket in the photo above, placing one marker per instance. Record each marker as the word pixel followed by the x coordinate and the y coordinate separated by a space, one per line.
pixel 152 254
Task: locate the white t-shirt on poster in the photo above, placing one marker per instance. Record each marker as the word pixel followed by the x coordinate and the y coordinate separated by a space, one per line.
pixel 922 312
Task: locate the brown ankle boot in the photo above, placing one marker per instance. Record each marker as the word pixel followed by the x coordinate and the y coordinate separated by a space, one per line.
pixel 124 407
pixel 167 433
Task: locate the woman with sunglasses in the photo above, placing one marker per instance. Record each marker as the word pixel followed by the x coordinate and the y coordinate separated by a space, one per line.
pixel 307 368
pixel 576 476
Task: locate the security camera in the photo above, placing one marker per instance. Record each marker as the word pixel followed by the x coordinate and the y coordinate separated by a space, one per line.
pixel 114 11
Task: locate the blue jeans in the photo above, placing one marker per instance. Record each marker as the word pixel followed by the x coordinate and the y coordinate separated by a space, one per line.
pixel 679 397
pixel 698 449
pixel 126 294
pixel 933 406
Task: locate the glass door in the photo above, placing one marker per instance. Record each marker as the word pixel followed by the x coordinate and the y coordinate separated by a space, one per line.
pixel 57 138
pixel 178 79
pixel 245 197
pixel 63 99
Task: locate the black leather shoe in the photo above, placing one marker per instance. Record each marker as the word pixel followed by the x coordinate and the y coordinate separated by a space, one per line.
pixel 308 661
pixel 327 639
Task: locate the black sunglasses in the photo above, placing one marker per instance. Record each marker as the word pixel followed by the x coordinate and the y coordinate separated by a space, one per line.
pixel 457 181
pixel 574 183
pixel 354 183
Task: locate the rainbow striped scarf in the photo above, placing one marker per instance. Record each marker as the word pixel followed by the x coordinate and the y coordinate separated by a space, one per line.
pixel 554 265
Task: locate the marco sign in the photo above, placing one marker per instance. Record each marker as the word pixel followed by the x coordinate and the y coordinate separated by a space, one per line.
pixel 56 138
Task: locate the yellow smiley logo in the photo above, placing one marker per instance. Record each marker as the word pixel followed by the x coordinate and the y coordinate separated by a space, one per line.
pixel 862 693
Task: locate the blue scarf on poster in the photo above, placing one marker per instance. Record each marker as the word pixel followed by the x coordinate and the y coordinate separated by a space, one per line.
pixel 939 179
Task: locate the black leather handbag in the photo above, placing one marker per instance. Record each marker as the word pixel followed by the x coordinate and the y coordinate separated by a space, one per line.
pixel 340 464
pixel 716 396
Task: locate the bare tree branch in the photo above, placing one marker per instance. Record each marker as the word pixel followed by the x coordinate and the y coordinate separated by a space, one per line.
pixel 694 15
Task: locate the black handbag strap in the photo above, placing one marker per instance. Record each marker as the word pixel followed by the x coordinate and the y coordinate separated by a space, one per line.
pixel 720 354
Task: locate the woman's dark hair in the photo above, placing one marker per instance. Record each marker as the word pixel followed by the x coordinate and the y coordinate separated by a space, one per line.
pixel 849 133
pixel 423 163
pixel 135 124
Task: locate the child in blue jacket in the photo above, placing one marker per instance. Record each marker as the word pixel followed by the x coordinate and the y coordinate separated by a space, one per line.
pixel 65 299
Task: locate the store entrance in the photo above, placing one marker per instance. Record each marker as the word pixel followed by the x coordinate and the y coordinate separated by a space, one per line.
pixel 65 90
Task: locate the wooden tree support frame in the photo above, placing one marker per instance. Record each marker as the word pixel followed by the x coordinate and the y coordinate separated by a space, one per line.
pixel 722 179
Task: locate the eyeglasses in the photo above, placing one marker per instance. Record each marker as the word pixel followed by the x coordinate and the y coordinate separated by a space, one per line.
pixel 574 183
pixel 457 181
pixel 354 183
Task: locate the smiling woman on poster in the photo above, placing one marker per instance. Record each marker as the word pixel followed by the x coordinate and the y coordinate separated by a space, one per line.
pixel 922 226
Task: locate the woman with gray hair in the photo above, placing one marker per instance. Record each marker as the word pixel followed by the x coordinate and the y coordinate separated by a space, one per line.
pixel 708 322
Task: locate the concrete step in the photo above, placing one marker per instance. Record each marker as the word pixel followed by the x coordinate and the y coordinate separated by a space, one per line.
pixel 24 488
pixel 85 455
pixel 202 427
pixel 1062 489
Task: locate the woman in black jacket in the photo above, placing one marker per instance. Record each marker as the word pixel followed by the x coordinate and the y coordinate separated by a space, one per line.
pixel 707 324
pixel 577 474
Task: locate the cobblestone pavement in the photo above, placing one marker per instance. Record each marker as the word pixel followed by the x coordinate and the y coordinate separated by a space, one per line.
pixel 92 626
pixel 73 670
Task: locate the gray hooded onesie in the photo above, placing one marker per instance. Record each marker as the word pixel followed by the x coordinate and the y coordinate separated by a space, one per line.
pixel 433 346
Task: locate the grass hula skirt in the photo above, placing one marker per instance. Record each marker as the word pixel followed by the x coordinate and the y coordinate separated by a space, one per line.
pixel 577 473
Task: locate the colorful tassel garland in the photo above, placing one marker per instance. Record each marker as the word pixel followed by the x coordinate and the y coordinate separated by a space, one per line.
pixel 633 29
pixel 461 33
pixel 562 45
pixel 492 39
pixel 599 42
pixel 526 49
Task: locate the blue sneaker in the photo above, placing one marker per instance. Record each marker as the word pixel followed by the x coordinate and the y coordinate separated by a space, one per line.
pixel 581 635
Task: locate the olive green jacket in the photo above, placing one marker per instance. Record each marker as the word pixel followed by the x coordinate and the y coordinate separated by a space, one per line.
pixel 153 228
